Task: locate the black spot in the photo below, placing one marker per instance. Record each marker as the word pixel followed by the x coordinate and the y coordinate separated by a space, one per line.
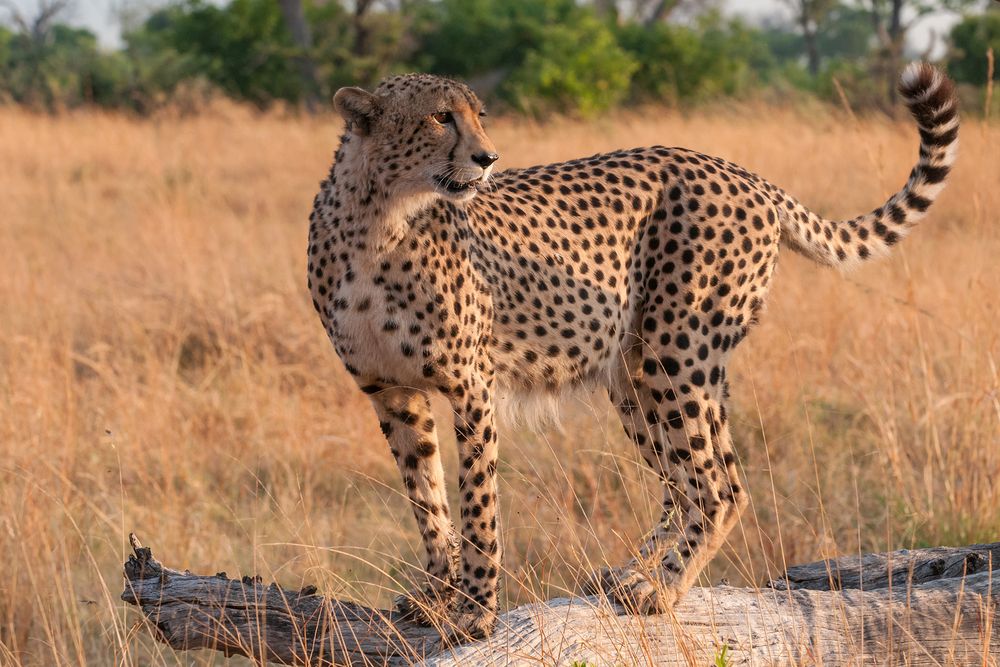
pixel 670 365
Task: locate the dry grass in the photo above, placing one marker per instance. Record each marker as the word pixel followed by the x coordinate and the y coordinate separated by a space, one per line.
pixel 161 370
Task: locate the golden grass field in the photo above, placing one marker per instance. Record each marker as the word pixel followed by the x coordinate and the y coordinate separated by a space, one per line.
pixel 162 371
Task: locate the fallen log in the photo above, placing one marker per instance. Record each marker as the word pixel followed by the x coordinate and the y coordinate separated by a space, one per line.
pixel 919 607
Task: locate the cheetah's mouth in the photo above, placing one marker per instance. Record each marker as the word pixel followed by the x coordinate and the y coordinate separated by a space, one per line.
pixel 450 186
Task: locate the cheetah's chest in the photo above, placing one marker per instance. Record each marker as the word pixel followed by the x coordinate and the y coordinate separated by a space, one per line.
pixel 409 315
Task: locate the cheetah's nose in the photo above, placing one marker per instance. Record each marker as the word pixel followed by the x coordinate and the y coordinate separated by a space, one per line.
pixel 485 159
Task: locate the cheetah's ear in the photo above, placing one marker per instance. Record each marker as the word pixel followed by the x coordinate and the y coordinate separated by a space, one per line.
pixel 358 107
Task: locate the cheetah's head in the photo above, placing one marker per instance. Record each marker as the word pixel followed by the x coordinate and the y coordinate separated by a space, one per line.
pixel 425 132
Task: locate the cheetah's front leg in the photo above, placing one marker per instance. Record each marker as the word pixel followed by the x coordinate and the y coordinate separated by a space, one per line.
pixel 476 433
pixel 408 424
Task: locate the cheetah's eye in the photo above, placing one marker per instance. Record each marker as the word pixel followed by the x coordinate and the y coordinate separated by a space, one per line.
pixel 443 117
pixel 482 113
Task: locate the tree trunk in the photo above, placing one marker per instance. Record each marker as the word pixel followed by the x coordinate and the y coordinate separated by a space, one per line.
pixel 295 20
pixel 661 10
pixel 810 15
pixel 362 33
pixel 894 56
pixel 920 607
pixel 809 38
pixel 891 34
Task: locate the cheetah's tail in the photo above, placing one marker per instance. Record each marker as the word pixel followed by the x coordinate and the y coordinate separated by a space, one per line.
pixel 931 98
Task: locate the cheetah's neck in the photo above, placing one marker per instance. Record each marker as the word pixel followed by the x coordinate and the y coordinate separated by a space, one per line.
pixel 373 217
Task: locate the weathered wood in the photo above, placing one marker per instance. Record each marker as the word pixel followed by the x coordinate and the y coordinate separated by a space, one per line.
pixel 896 568
pixel 920 607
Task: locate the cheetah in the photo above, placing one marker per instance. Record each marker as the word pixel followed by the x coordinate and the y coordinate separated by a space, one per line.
pixel 638 270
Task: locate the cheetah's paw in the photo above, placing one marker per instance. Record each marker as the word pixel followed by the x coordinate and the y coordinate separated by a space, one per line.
pixel 469 622
pixel 425 607
pixel 638 591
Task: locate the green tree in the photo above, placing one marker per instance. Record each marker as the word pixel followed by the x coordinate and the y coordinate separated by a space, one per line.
pixel 844 46
pixel 244 48
pixel 650 12
pixel 713 58
pixel 49 65
pixel 353 48
pixel 846 34
pixel 301 34
pixel 470 37
pixel 891 21
pixel 970 39
pixel 579 56
pixel 578 67
pixel 78 72
pixel 810 16
pixel 539 54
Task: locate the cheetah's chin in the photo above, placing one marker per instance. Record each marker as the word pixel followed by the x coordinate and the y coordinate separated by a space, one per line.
pixel 453 189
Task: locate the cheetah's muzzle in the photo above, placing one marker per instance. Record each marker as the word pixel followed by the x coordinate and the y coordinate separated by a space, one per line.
pixel 642 268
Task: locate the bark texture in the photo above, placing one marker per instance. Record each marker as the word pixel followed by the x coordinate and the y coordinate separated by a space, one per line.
pixel 298 28
pixel 920 607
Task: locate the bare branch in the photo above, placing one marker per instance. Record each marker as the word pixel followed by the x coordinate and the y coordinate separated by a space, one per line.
pixel 16 16
pixel 931 44
pixel 38 27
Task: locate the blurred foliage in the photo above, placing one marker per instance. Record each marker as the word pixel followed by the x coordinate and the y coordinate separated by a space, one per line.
pixel 971 39
pixel 532 56
pixel 846 35
pixel 336 52
pixel 65 68
pixel 538 54
pixel 243 48
pixel 711 59
pixel 575 66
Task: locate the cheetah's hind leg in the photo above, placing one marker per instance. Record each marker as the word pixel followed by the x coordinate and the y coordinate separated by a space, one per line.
pixel 682 434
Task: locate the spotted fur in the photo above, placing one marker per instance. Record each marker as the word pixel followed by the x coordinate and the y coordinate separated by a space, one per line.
pixel 640 270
